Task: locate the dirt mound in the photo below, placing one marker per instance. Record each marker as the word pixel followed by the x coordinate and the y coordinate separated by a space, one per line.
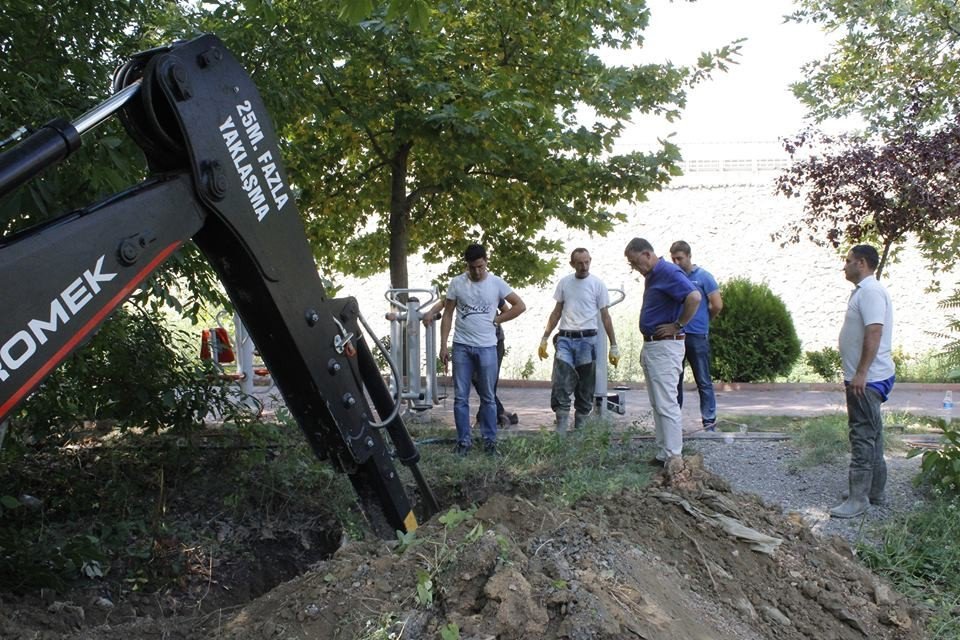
pixel 683 559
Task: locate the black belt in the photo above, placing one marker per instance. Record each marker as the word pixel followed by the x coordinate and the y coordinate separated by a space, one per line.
pixel 587 333
pixel 679 336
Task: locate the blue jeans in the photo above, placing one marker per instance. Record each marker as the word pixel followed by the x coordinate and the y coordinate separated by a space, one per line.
pixel 468 361
pixel 698 355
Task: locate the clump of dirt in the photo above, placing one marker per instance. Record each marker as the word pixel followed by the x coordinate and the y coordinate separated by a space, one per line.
pixel 682 559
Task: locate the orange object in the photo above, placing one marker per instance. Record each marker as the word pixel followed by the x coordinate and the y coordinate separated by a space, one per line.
pixel 216 341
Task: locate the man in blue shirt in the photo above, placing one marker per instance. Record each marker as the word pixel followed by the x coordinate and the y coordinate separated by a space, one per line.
pixel 669 302
pixel 697 343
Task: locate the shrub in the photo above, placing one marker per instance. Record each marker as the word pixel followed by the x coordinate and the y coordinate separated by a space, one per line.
pixel 754 338
pixel 825 363
pixel 135 371
pixel 941 467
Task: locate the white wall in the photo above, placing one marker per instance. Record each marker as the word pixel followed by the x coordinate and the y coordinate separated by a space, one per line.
pixel 729 229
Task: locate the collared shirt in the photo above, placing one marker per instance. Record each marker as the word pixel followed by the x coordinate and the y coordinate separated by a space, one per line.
pixel 869 304
pixel 665 288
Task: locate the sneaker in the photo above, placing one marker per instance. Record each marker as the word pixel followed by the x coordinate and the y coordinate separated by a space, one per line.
pixel 490 448
pixel 656 462
pixel 462 450
pixel 710 425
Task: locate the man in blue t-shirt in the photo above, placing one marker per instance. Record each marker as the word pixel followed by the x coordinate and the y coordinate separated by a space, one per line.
pixel 669 302
pixel 697 343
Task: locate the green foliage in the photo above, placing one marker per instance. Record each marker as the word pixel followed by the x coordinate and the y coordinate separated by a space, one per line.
pixel 825 363
pixel 405 540
pixel 528 368
pixel 145 511
pixel 920 555
pixel 754 338
pixel 891 62
pixel 60 63
pixel 408 141
pixel 424 594
pixel 136 372
pixel 450 631
pixel 941 467
pixel 822 440
pixel 455 516
pixel 590 461
pixel 951 350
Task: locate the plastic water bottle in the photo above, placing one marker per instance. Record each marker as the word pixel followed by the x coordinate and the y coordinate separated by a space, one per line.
pixel 948 406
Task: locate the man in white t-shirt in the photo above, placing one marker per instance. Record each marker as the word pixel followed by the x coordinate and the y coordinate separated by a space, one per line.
pixel 866 341
pixel 474 297
pixel 581 298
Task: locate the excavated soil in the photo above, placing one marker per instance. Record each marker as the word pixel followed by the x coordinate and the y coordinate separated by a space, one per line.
pixel 684 559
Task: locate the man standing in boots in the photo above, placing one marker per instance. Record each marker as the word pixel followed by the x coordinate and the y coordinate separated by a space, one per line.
pixel 581 298
pixel 868 372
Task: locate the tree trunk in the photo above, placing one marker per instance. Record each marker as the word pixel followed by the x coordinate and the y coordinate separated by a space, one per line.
pixel 883 259
pixel 399 219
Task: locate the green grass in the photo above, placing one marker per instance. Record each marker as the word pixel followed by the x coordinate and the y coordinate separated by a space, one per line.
pixel 762 424
pixel 920 554
pixel 593 461
pixel 822 440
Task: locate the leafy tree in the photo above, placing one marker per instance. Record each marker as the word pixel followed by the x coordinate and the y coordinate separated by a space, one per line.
pixel 404 141
pixel 108 380
pixel 890 56
pixel 59 62
pixel 857 190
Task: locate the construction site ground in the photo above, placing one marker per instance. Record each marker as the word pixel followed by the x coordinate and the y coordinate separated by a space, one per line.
pixel 700 553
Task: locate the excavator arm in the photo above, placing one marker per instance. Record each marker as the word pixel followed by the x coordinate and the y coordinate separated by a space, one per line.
pixel 216 179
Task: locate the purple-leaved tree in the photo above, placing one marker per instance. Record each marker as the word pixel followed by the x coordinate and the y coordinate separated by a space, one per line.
pixel 861 190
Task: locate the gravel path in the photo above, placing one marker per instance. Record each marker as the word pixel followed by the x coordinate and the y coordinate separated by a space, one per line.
pixel 768 469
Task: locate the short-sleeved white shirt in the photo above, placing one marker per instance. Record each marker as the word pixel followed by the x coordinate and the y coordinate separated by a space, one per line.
pixel 582 299
pixel 869 304
pixel 477 304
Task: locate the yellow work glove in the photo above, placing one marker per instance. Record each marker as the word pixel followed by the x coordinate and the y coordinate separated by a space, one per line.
pixel 614 355
pixel 542 351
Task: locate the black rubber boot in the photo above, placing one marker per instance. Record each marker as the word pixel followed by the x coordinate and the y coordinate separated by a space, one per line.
pixel 563 422
pixel 856 503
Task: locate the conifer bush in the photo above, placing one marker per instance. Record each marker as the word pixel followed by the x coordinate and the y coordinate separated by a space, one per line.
pixel 754 338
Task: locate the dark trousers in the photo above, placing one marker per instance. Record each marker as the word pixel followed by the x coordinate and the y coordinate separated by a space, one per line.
pixel 866 429
pixel 574 372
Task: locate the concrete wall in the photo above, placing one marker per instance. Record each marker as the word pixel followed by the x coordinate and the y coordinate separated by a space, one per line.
pixel 728 219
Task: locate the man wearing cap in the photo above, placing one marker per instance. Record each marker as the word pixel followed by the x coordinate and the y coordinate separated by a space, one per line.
pixel 581 298
pixel 669 302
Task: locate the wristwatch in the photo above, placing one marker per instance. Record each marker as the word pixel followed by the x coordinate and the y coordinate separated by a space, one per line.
pixel 679 326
